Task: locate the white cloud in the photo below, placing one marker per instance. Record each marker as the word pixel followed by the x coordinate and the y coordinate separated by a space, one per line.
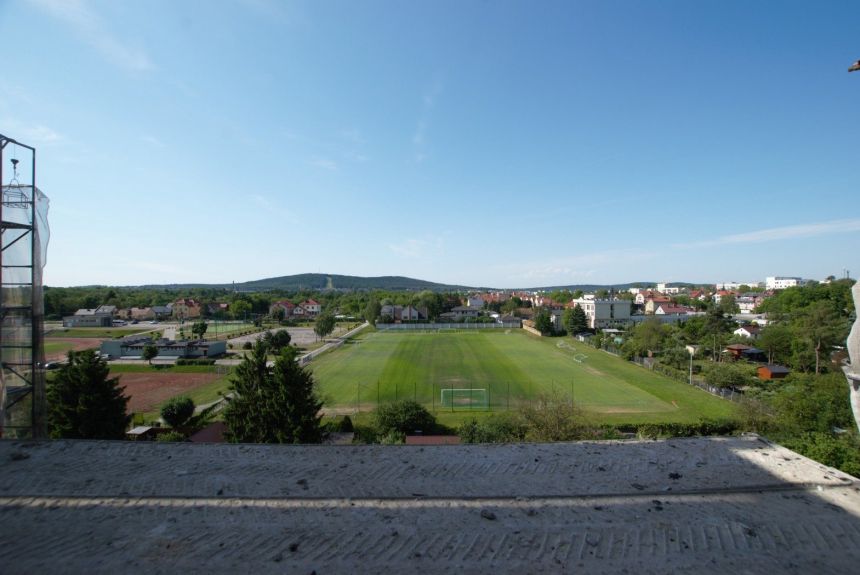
pixel 420 131
pixel 90 27
pixel 419 135
pixel 323 163
pixel 782 233
pixel 40 135
pixel 566 270
pixel 152 141
pixel 412 248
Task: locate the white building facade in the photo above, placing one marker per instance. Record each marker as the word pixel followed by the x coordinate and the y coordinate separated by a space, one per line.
pixel 604 313
pixel 778 282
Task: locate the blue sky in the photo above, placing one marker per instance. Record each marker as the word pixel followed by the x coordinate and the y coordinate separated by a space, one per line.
pixel 506 144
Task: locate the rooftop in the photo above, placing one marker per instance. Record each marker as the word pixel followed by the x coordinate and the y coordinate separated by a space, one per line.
pixel 703 505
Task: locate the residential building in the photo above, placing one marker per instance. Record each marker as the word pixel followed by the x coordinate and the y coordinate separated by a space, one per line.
pixel 783 282
pixel 652 303
pixel 475 301
pixel 462 311
pixel 668 309
pixel 665 288
pixel 750 331
pixel 186 308
pixel 88 318
pixel 312 308
pixel 287 306
pixel 162 311
pixel 730 286
pixel 603 313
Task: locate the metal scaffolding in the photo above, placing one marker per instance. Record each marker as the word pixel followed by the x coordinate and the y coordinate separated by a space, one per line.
pixel 23 227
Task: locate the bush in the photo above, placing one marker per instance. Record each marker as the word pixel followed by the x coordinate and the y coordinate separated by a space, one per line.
pixel 498 428
pixel 247 345
pixel 345 425
pixel 404 416
pixel 703 427
pixel 841 451
pixel 553 418
pixel 171 436
pixel 196 361
pixel 177 411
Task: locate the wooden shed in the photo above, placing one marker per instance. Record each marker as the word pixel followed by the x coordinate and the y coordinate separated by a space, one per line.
pixel 771 371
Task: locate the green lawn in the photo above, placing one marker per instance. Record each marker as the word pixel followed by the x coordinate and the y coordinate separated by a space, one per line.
pixel 512 368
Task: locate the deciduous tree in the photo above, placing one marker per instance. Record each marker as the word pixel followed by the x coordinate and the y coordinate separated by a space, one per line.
pixel 150 351
pixel 324 325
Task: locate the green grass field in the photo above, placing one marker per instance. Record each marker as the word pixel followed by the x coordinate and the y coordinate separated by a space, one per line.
pixel 61 347
pixel 97 332
pixel 514 368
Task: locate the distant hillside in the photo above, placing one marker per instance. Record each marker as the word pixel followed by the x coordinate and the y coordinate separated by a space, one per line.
pixel 325 281
pixel 334 281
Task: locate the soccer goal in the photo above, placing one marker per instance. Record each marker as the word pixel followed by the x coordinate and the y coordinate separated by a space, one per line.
pixel 475 398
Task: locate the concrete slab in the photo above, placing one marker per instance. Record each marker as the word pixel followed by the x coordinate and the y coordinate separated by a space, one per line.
pixel 709 505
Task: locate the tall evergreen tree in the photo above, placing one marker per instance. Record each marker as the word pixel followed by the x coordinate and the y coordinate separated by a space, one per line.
pixel 84 403
pixel 278 405
pixel 575 320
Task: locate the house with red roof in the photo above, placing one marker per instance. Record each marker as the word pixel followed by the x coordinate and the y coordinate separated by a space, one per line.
pixel 285 305
pixel 312 307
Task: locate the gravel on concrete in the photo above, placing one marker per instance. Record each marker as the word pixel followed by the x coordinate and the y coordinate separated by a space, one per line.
pixel 704 505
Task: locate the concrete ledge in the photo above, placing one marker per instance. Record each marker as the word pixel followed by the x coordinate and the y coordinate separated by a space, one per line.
pixel 709 505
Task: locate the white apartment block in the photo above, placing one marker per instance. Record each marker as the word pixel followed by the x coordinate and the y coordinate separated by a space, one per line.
pixel 604 313
pixel 778 282
pixel 730 286
pixel 665 288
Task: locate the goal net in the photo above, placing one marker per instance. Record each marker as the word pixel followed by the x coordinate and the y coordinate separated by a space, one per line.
pixel 475 398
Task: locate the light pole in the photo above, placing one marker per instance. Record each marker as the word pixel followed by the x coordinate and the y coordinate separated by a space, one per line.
pixel 692 350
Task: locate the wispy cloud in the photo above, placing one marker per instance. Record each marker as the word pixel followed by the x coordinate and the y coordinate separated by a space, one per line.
pixel 273 208
pixel 152 141
pixel 781 233
pixel 41 135
pixel 323 163
pixel 413 248
pixel 422 127
pixel 568 269
pixel 91 28
pixel 353 136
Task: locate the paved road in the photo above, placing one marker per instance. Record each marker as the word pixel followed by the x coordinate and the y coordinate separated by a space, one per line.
pixel 693 506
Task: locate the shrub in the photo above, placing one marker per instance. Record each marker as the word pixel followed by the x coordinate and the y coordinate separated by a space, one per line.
pixel 553 418
pixel 393 438
pixel 177 411
pixel 404 416
pixel 171 436
pixel 247 345
pixel 345 425
pixel 702 427
pixel 498 428
pixel 195 361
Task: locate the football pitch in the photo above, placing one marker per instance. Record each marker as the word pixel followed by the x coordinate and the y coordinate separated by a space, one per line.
pixel 495 370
